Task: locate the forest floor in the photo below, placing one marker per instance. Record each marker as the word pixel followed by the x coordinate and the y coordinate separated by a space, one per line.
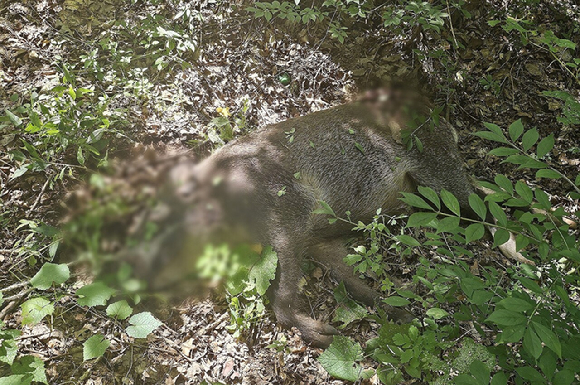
pixel 238 63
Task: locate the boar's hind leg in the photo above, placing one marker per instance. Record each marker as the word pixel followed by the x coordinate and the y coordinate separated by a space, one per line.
pixel 287 302
pixel 331 253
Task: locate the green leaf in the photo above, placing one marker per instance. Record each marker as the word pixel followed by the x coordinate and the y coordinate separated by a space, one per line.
pixel 563 377
pixel 496 130
pixel 16 121
pixel 80 156
pixel 430 194
pixel 119 310
pixel 530 138
pixel 341 357
pixel 549 338
pixel 532 343
pixel 407 240
pixel 95 347
pixel 50 273
pixel 505 317
pixel 325 209
pixel 476 203
pixel 543 199
pixel 450 201
pixel 503 151
pixel 531 374
pixel 500 237
pixel 437 313
pixel 94 294
pixel 420 219
pixel 498 213
pixel 449 224
pixel 415 201
pixel 491 136
pixel 548 174
pixel 349 310
pixel 474 232
pixel 31 366
pixel 515 130
pixel 499 378
pixel 545 146
pixel 503 182
pixel 524 191
pixel 142 324
pixel 35 309
pixel 480 371
pixel 395 300
pixel 8 346
pixel 264 270
pixel 516 304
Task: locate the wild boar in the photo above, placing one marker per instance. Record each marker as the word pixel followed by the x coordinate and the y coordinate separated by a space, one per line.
pixel 264 187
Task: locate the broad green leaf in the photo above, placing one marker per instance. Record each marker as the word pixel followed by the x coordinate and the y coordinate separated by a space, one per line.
pixel 548 174
pixel 437 313
pixel 503 151
pixel 497 213
pixel 532 343
pixel 264 270
pixel 449 224
pixel 80 156
pixel 50 273
pixel 465 379
pixel 94 294
pixel 516 304
pixel 480 371
pixel 325 209
pixel 119 310
pixel 420 219
pixel 530 138
pixel 395 300
pixel 524 191
pixel 491 136
pixel 512 334
pixel 496 130
pixel 505 317
pixel 341 359
pixel 142 324
pixel 549 338
pixel 35 309
pixel 30 365
pixel 16 379
pixel 500 237
pixel 474 232
pixel 415 201
pixel 476 203
pixel 531 374
pixel 349 310
pixel 407 240
pixel 16 121
pixel 543 199
pixel 515 130
pixel 430 194
pixel 563 377
pixel 95 347
pixel 8 346
pixel 450 201
pixel 503 182
pixel 499 379
pixel 531 285
pixel 545 146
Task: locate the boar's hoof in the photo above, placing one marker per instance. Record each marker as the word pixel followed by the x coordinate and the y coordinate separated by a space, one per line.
pixel 314 332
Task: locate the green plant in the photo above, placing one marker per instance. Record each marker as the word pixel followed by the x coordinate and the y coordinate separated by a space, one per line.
pixel 532 341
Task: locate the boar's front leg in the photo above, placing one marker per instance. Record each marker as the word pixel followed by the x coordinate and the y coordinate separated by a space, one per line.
pixel 287 302
pixel 331 253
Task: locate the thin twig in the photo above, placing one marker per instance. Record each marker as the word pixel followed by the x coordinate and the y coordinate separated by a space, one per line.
pixel 38 197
